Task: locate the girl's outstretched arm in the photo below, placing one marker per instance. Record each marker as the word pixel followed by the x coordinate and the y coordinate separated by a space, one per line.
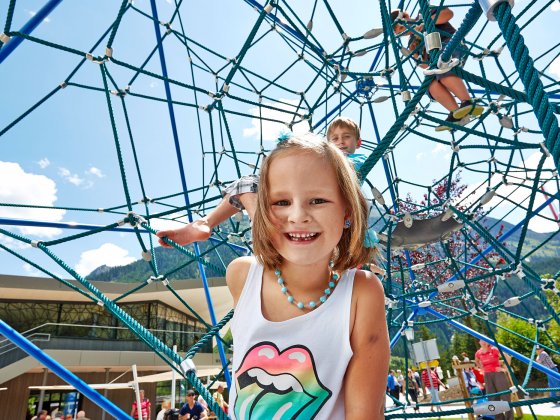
pixel 366 377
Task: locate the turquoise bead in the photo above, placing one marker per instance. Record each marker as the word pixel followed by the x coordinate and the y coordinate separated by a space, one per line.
pixel 284 290
pixel 331 284
pixel 335 276
pixel 300 305
pixel 290 299
pixel 277 272
pixel 323 299
pixel 280 280
pixel 327 291
pixel 312 304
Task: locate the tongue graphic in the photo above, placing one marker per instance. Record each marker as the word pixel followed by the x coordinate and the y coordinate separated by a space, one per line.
pixel 278 385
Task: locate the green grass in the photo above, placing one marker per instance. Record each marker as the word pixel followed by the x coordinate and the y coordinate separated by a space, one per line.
pixel 525 417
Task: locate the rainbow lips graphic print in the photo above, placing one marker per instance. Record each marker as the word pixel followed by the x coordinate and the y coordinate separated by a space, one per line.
pixel 278 385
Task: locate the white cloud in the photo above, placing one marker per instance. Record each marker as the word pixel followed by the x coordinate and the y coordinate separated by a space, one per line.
pixel 107 254
pixel 30 270
pixel 20 187
pixel 420 156
pixel 70 177
pixel 555 7
pixel 33 13
pixel 164 224
pixel 271 129
pixel 554 67
pixel 95 171
pixel 43 163
pixel 440 148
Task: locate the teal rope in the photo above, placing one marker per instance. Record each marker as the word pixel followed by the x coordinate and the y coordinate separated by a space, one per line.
pixel 530 78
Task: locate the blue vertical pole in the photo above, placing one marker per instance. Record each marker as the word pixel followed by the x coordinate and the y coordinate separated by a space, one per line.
pixel 31 24
pixel 184 184
pixel 60 371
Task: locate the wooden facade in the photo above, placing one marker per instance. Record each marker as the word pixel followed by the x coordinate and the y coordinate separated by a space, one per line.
pixel 14 400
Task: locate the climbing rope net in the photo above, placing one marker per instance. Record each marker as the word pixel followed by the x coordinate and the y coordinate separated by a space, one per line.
pixel 212 88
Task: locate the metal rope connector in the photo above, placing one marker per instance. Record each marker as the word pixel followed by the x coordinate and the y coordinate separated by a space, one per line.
pixel 4 38
pixel 488 7
pixel 187 366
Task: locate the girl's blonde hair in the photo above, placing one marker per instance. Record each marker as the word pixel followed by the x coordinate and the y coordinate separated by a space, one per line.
pixel 350 251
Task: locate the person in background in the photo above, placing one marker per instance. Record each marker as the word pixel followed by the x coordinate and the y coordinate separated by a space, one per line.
pixel 145 407
pixel 218 396
pixel 412 388
pixel 432 382
pixel 81 415
pixel 192 410
pixel 401 381
pixel 544 359
pixel 495 378
pixel 165 405
pixel 393 386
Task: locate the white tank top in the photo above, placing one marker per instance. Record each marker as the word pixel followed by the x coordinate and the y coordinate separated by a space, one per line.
pixel 292 369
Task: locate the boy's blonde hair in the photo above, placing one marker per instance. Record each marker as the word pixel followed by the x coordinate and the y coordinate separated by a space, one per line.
pixel 345 123
pixel 350 251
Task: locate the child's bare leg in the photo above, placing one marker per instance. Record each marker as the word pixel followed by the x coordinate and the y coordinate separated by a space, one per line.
pixel 455 85
pixel 199 230
pixel 442 95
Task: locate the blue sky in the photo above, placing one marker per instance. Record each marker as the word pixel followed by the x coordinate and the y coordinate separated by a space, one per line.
pixel 63 153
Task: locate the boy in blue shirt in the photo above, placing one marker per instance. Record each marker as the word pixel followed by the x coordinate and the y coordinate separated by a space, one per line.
pixel 242 194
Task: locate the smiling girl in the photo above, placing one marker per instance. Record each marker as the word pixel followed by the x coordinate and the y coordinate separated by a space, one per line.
pixel 309 331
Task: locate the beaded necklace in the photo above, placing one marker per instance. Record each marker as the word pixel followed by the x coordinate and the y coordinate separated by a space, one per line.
pixel 333 280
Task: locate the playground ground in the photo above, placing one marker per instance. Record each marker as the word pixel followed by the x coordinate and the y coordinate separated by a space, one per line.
pixel 546 411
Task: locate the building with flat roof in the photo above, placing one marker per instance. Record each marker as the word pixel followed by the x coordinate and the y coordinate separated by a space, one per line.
pixel 86 339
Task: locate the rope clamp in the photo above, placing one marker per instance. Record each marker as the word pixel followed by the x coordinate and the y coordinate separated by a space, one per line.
pixel 451 286
pixel 488 7
pixel 187 366
pixel 406 96
pixel 91 58
pixel 447 215
pixel 100 303
pixel 346 38
pixel 225 89
pixel 491 408
pixel 100 210
pixel 4 38
pixel 109 52
pixel 512 301
pixel 63 85
pixel 455 147
pixel 545 150
pixel 432 41
pixel 147 256
pixel 519 272
pixel 442 67
pixel 134 219
pixel 35 243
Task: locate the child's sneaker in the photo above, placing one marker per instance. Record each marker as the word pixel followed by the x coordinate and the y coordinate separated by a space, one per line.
pixel 469 107
pixel 451 118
